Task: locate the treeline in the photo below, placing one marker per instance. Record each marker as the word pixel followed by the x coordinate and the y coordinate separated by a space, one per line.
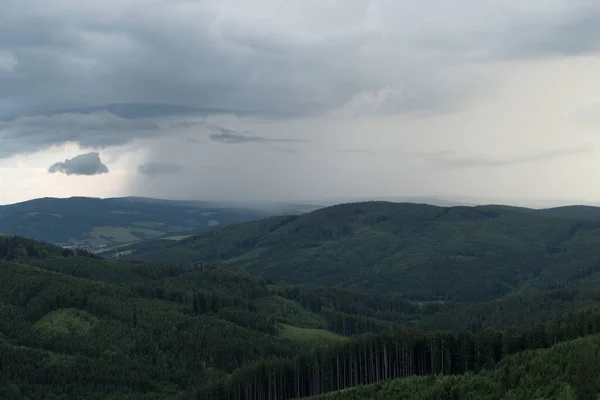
pixel 352 314
pixel 568 370
pixel 355 325
pixel 527 309
pixel 402 354
pixel 17 247
pixel 347 301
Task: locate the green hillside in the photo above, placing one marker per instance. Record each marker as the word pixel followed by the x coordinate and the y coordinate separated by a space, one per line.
pixel 73 325
pixel 419 251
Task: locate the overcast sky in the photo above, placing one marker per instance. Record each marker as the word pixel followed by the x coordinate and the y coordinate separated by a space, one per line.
pixel 300 99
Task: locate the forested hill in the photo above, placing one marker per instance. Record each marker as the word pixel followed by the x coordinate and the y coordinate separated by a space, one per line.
pixel 73 325
pixel 420 251
pixel 580 211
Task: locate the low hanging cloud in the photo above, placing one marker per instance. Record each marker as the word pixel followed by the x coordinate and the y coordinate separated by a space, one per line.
pixel 84 164
pixel 451 159
pixel 229 136
pixel 235 138
pixel 96 128
pixel 155 168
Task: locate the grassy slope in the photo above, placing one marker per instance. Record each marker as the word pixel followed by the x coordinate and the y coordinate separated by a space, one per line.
pixel 66 321
pixel 309 335
pixel 467 253
pixel 289 312
pixel 554 373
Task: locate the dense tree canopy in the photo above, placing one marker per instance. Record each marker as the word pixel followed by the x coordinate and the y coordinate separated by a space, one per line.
pixel 433 303
pixel 422 252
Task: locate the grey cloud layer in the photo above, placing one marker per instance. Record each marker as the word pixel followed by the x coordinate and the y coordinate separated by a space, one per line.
pixel 97 61
pixel 97 130
pixel 451 159
pixel 322 55
pixel 454 159
pixel 100 128
pixel 83 164
pixel 155 168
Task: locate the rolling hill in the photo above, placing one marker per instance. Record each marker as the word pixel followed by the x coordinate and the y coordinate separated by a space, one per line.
pixel 417 250
pixel 74 325
pixel 93 222
pixel 576 211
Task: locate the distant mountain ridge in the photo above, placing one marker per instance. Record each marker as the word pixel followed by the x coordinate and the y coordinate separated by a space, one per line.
pixel 573 211
pixel 88 222
pixel 91 222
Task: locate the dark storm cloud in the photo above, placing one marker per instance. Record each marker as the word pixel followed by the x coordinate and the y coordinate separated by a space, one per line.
pixel 101 129
pixel 83 164
pixel 161 54
pixel 213 57
pixel 98 130
pixel 155 168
